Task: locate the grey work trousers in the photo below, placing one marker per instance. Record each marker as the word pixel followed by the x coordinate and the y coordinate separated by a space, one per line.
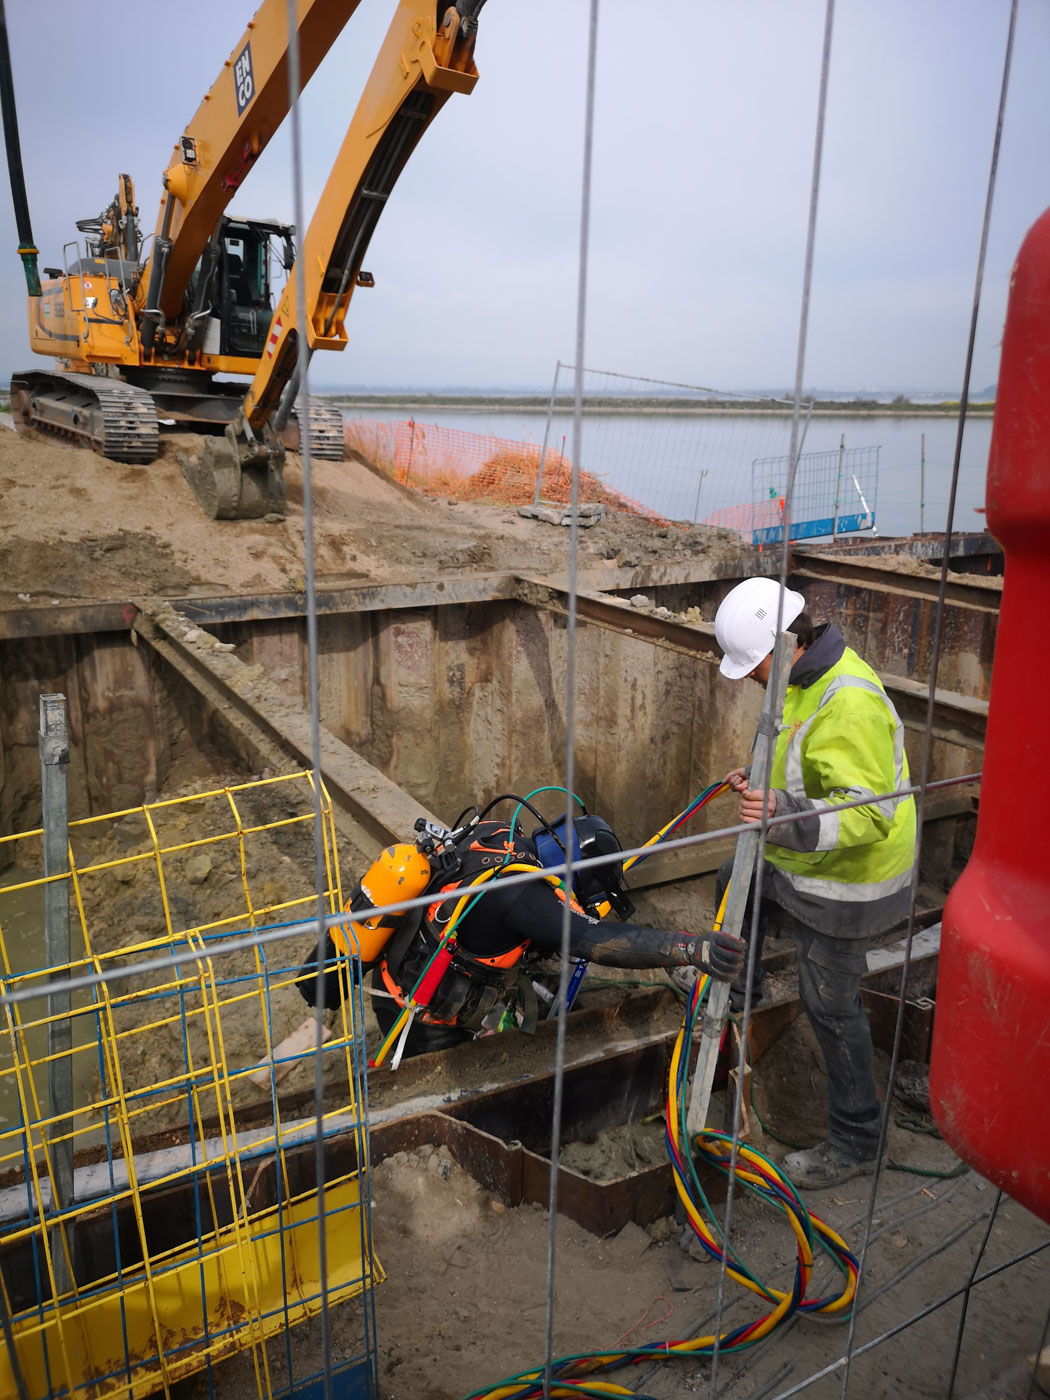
pixel 829 973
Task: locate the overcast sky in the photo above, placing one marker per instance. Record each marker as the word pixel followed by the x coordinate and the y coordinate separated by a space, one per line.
pixel 703 151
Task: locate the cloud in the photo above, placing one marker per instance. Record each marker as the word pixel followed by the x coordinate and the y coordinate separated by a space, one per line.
pixel 703 142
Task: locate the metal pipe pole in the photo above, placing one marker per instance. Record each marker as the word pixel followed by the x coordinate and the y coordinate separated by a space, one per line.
pixel 838 486
pixel 922 485
pixel 696 507
pixel 547 433
pixel 54 758
pixel 747 844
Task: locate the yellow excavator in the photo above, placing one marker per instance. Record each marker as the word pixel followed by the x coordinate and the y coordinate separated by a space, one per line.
pixel 142 334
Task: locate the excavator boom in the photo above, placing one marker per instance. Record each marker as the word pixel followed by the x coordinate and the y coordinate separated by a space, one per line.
pixel 417 70
pixel 226 135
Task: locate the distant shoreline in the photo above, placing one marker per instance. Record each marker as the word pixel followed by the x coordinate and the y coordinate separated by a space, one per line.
pixel 538 403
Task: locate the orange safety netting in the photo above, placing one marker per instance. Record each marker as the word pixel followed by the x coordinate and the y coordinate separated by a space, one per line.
pixel 476 466
pixel 751 516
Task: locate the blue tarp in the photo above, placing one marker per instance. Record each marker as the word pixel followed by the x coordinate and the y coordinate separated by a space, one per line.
pixel 809 529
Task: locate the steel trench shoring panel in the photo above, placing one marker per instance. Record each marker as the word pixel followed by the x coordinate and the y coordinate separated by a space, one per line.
pixel 981 594
pixel 929 547
pixel 958 719
pixel 455 590
pixel 64 618
pixel 379 807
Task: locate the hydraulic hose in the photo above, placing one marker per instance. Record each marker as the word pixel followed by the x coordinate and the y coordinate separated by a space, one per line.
pixel 583 1373
pixel 27 250
pixel 436 964
pixel 759 1176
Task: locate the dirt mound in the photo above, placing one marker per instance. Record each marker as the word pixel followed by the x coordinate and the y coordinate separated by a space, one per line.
pixel 510 475
pixel 76 526
pixel 79 526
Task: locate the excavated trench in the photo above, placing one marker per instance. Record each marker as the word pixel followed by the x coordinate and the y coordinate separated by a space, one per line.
pixel 445 693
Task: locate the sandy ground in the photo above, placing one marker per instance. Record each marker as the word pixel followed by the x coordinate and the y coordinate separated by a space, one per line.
pixel 77 526
pixel 464 1303
pixel 465 1299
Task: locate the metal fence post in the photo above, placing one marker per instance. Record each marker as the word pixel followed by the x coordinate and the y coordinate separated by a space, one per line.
pixel 696 505
pixel 744 862
pixel 546 433
pixel 838 487
pixel 922 485
pixel 411 448
pixel 54 757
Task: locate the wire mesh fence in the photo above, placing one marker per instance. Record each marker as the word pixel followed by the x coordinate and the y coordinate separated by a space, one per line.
pixel 678 452
pixel 191 1228
pixel 834 493
pixel 655 448
pixel 684 449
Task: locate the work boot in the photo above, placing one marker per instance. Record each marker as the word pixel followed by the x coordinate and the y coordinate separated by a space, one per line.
pixel 737 995
pixel 823 1165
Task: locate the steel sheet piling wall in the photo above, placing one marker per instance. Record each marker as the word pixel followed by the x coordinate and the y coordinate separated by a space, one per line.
pixel 456 703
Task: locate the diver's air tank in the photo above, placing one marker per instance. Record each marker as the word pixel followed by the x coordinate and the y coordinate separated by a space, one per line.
pixel 399 872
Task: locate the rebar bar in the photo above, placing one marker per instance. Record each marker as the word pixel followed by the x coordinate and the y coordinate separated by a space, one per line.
pixel 259 938
pixel 570 679
pixel 966 1296
pixel 54 760
pixel 938 634
pixel 303 371
pixel 800 360
pixel 907 1322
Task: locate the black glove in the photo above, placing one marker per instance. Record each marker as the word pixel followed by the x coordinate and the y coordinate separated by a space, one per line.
pixel 720 954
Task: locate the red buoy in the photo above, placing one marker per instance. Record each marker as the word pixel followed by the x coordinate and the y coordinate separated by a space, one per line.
pixel 990 1064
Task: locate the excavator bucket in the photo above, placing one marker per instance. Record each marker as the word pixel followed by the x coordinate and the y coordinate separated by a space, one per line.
pixel 236 480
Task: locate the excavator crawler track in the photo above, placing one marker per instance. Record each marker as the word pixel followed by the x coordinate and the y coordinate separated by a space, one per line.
pixel 112 418
pixel 326 432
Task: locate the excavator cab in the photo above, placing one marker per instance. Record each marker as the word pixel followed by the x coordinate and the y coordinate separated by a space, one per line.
pixel 242 296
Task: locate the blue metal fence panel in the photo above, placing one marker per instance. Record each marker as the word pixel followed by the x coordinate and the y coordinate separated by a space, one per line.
pixel 809 529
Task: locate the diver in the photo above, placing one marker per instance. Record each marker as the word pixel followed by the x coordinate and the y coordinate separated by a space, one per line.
pixel 479 977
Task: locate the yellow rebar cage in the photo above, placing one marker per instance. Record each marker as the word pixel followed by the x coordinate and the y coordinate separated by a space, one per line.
pixel 213 1138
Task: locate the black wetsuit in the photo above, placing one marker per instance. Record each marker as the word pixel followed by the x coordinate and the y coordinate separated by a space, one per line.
pixel 505 918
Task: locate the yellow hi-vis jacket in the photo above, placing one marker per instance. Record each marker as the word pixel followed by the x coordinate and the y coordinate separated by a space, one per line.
pixel 842 872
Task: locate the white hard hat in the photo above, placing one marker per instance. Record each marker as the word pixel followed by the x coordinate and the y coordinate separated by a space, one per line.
pixel 746 623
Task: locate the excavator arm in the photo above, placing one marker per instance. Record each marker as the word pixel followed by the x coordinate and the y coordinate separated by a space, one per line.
pixel 417 70
pixel 420 65
pixel 226 135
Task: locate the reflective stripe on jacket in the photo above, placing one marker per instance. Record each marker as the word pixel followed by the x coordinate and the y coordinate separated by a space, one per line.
pixel 846 872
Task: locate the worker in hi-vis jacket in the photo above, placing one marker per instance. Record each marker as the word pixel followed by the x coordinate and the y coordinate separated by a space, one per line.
pixel 833 878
